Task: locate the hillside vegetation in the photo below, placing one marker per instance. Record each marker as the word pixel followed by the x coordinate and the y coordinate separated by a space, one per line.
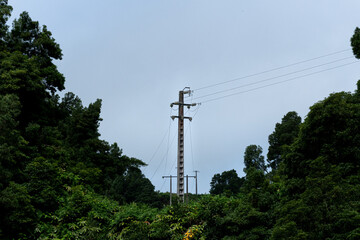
pixel 59 180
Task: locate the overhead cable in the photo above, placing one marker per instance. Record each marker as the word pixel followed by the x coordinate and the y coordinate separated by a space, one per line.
pixel 272 78
pixel 158 147
pixel 276 83
pixel 271 70
pixel 164 157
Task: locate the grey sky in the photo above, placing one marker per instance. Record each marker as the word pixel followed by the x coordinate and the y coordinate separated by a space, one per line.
pixel 136 55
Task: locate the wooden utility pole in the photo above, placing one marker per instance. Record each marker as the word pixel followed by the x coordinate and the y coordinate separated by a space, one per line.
pixel 180 154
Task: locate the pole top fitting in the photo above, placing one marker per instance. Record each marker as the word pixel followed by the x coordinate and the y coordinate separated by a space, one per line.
pixel 188 91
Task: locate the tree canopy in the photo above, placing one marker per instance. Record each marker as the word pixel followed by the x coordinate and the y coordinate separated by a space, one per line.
pixel 227 182
pixel 253 158
pixel 283 136
pixel 51 156
pixel 355 42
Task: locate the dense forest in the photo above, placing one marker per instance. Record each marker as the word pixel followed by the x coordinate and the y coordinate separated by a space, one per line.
pixel 58 180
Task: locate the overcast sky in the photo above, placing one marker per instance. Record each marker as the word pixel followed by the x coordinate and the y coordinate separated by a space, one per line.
pixel 136 55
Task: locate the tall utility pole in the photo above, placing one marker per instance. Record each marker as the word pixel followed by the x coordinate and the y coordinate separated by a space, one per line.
pixel 180 154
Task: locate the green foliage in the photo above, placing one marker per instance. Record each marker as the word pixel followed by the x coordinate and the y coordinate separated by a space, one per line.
pixel 17 212
pixel 227 182
pixel 12 144
pixel 232 218
pixel 132 222
pixel 283 136
pixel 81 215
pixel 58 180
pixel 57 177
pixel 355 42
pixel 322 171
pixel 253 158
pixel 133 187
pixel 27 37
pixel 5 12
pixel 288 231
pixel 82 124
pixel 44 183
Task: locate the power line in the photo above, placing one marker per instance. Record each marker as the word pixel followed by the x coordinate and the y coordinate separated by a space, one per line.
pixel 163 158
pixel 167 151
pixel 276 83
pixel 172 167
pixel 158 147
pixel 186 131
pixel 271 70
pixel 272 78
pixel 162 185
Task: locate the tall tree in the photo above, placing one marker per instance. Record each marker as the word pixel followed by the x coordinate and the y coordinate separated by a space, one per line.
pixel 51 158
pixel 27 37
pixel 355 43
pixel 5 12
pixel 253 158
pixel 321 173
pixel 282 137
pixel 12 157
pixel 226 182
pixel 27 52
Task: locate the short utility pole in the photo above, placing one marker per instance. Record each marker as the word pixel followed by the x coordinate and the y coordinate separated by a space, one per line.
pixel 196 182
pixel 171 177
pixel 180 154
pixel 187 187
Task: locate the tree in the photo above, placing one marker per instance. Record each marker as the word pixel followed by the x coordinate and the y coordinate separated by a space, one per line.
pixel 56 175
pixel 253 158
pixel 5 12
pixel 12 144
pixel 321 173
pixel 226 182
pixel 27 37
pixel 355 43
pixel 83 123
pixel 26 66
pixel 282 137
pixel 132 186
pixel 330 131
pixel 17 212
